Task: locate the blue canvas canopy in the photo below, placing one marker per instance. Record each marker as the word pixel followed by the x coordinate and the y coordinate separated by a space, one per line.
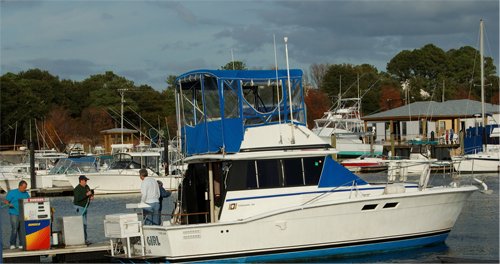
pixel 216 106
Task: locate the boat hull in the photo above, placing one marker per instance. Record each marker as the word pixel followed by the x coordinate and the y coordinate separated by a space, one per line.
pixel 477 163
pixel 309 231
pixel 105 183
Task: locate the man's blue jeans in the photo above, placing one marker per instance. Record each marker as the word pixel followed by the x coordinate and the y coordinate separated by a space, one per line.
pixel 79 210
pixel 15 226
pixel 152 214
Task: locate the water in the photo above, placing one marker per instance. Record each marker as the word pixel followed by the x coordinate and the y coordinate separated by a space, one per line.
pixel 475 235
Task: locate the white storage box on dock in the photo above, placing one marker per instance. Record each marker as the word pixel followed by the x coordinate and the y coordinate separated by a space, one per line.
pixel 72 229
pixel 122 225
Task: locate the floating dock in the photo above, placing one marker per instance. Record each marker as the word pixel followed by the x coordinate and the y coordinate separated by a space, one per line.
pixel 91 253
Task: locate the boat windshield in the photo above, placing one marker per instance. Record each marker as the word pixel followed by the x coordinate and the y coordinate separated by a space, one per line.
pixel 75 165
pixel 123 161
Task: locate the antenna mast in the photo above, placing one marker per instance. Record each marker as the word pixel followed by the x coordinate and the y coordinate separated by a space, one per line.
pixel 277 88
pixel 481 49
pixel 289 90
pixel 232 59
pixel 122 93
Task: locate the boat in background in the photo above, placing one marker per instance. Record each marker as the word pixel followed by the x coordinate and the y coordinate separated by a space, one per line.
pixel 366 163
pixel 12 174
pixel 122 174
pixel 261 186
pixel 486 158
pixel 343 121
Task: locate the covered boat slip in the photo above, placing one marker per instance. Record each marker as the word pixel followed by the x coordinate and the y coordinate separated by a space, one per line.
pixel 216 106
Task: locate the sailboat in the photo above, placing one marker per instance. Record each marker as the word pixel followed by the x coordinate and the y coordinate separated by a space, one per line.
pixel 260 186
pixel 487 160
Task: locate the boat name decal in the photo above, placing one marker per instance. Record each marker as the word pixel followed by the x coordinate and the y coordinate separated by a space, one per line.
pixel 153 241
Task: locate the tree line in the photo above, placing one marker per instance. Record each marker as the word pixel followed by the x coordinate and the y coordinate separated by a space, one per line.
pixel 38 103
pixel 54 112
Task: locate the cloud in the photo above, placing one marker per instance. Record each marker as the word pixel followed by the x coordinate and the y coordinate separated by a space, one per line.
pixel 19 5
pixel 248 38
pixel 106 16
pixel 375 31
pixel 182 11
pixel 135 75
pixel 180 44
pixel 66 68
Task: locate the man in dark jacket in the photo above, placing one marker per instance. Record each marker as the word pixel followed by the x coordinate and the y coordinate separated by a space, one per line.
pixel 163 194
pixel 82 195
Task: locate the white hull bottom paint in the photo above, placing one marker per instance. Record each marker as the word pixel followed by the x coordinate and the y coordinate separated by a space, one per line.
pixel 328 227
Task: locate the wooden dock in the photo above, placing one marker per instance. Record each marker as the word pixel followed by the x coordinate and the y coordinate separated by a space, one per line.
pixel 91 254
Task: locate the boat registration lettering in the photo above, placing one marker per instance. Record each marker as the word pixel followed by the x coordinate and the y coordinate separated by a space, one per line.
pixel 248 204
pixel 153 241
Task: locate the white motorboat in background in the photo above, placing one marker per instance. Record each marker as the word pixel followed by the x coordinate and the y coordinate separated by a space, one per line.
pixel 261 186
pixel 45 160
pixel 488 158
pixel 366 163
pixel 482 162
pixel 344 121
pixel 122 175
pixel 56 177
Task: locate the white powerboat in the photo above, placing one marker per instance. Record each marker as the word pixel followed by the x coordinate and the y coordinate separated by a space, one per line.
pixel 485 160
pixel 261 186
pixel 366 163
pixel 344 121
pixel 45 160
pixel 482 162
pixel 122 176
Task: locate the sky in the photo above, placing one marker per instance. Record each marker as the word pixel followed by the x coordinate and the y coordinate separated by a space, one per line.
pixel 146 41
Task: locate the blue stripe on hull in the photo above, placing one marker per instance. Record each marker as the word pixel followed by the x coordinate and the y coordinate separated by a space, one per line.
pixel 341 251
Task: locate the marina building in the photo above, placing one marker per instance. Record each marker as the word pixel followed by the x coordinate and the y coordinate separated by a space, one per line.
pixel 419 120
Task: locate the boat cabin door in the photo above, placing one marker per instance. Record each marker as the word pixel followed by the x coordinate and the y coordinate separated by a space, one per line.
pixel 202 195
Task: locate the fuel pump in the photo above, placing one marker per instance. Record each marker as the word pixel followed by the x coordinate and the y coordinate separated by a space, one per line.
pixel 35 223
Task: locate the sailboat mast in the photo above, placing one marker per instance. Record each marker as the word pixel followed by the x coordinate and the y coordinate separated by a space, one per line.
pixel 481 51
pixel 122 101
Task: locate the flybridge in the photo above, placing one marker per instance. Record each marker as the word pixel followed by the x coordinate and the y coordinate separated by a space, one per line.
pixel 214 107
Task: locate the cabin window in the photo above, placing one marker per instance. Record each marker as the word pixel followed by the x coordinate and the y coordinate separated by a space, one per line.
pixel 199 110
pixel 269 173
pixel 241 175
pixel 211 98
pixel 272 173
pixel 188 106
pixel 297 100
pixel 312 170
pixel 230 95
pixel 293 171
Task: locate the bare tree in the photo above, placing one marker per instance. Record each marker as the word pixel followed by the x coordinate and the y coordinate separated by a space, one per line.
pixel 317 72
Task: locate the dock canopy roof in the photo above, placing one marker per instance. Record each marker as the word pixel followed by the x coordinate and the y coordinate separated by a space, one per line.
pixel 431 110
pixel 216 106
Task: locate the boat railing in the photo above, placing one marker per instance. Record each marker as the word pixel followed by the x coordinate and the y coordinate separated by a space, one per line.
pixel 183 218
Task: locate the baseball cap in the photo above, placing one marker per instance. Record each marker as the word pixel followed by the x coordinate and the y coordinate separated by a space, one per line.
pixel 82 177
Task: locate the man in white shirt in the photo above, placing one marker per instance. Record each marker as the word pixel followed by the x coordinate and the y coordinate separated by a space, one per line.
pixel 150 194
